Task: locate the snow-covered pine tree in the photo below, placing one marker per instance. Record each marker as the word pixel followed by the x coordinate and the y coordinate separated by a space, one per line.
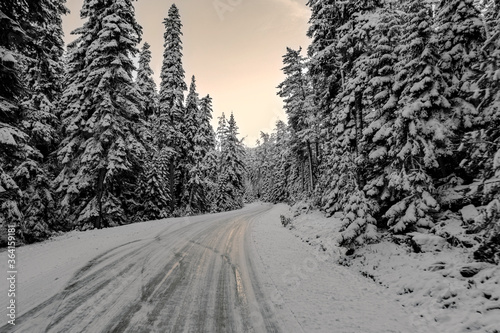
pixel 266 170
pixel 171 101
pixel 102 149
pixel 205 130
pixel 327 79
pixel 482 145
pixel 280 155
pixel 221 132
pixel 373 85
pixel 145 82
pixel 323 65
pixel 43 74
pixel 231 173
pixel 345 172
pixel 255 162
pixel 13 147
pixel 418 135
pixel 302 119
pixel 192 111
pixel 30 57
pixel 382 96
pixel 153 186
pixel 460 37
pixel 202 159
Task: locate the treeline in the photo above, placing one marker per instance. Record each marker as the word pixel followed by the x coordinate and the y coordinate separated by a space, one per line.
pixel 85 145
pixel 396 104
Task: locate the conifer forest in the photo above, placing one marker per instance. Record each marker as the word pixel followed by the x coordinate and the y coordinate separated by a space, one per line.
pixel 88 141
pixel 393 120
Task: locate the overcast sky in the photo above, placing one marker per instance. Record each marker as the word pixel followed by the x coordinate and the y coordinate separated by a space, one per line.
pixel 233 47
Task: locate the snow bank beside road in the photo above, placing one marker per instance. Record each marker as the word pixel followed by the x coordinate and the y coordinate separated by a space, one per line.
pixel 441 285
pixel 322 295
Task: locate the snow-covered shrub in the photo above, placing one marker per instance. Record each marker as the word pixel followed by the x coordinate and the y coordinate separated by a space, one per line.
pixel 489 222
pixel 414 209
pixel 359 226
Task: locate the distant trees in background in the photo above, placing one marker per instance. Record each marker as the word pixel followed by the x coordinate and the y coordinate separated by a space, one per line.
pixel 85 145
pixel 394 107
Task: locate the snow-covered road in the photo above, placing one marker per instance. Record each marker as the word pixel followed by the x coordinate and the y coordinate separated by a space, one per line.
pixel 231 272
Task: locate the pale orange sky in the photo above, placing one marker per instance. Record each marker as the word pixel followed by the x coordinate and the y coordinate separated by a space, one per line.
pixel 233 47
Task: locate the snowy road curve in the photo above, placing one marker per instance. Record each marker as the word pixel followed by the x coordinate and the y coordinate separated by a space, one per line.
pixel 229 272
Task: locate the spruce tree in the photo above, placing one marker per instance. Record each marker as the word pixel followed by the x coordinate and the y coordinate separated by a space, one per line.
pixel 201 172
pixel 460 37
pixel 300 108
pixel 190 121
pixel 13 140
pixel 102 150
pixel 31 49
pixel 43 74
pixel 171 102
pixel 370 195
pixel 153 186
pixel 231 173
pixel 191 179
pixel 280 163
pixel 482 144
pixel 418 135
pixel 145 82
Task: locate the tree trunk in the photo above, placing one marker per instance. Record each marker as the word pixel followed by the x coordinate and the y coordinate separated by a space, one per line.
pixel 303 178
pixel 100 191
pixel 311 165
pixel 172 185
pixel 318 154
pixel 359 137
pixel 191 195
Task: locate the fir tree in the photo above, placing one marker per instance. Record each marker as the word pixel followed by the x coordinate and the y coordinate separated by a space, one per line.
pixel 101 118
pixel 460 36
pixel 171 100
pixel 31 49
pixel 44 75
pixel 13 140
pixel 419 137
pixel 201 175
pixel 190 121
pixel 482 144
pixel 300 109
pixel 230 183
pixel 153 186
pixel 345 173
pixel 147 86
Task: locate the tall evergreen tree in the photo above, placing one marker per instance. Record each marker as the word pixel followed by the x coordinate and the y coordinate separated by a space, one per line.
pixel 191 121
pixel 13 140
pixel 147 86
pixel 418 135
pixel 482 144
pixel 171 100
pixel 30 54
pixel 101 118
pixel 460 37
pixel 299 106
pixel 201 175
pixel 230 183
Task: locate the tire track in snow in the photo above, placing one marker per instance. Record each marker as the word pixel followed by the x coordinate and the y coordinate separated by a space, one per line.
pixel 195 278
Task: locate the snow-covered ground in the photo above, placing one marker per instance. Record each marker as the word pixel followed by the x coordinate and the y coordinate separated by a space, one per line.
pixel 300 288
pixel 441 286
pixel 322 295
